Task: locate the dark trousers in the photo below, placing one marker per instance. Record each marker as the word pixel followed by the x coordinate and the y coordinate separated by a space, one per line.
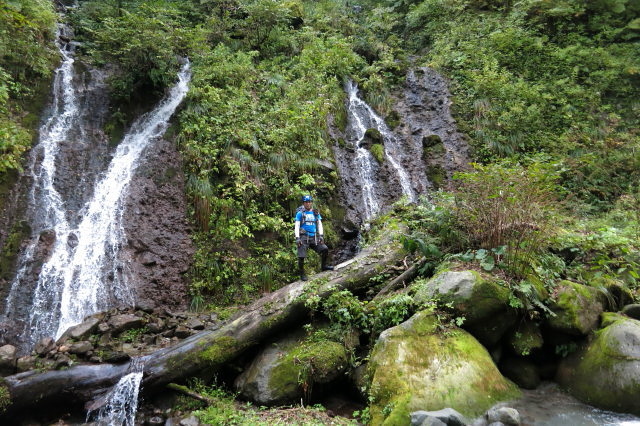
pixel 313 244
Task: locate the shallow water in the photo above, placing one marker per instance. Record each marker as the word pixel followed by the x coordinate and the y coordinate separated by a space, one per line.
pixel 549 406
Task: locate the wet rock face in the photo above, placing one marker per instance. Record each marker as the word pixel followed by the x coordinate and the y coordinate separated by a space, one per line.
pixel 431 147
pixel 79 161
pixel 428 127
pixel 158 233
pixel 158 249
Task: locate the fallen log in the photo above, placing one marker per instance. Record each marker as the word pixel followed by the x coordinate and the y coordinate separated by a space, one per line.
pixel 205 352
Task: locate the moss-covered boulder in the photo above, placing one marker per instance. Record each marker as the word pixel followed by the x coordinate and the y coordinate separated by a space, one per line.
pixel 287 370
pixel 525 338
pixel 414 366
pixel 482 301
pixel 606 371
pixel 576 307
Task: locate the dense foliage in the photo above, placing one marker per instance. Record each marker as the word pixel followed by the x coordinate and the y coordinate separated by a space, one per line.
pixel 27 57
pixel 549 87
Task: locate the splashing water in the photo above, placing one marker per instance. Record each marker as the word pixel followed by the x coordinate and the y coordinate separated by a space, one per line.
pixel 84 272
pixel 122 401
pixel 362 117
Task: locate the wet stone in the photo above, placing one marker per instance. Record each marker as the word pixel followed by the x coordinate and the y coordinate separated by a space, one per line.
pixel 632 311
pixel 147 306
pixel 45 345
pixel 80 348
pixel 123 322
pixel 116 356
pixel 182 332
pixel 61 361
pixel 83 330
pixel 26 363
pixel 194 324
pixel 504 415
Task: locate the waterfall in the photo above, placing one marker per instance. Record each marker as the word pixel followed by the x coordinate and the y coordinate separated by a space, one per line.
pixel 362 117
pixel 122 401
pixel 83 272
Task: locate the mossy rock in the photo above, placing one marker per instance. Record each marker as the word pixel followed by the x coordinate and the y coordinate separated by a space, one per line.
pixel 415 367
pixel 19 232
pixel 431 141
pixel 286 371
pixel 393 119
pixel 437 175
pixel 576 307
pixel 377 150
pixel 526 338
pixel 482 301
pixel 604 372
pixel 374 135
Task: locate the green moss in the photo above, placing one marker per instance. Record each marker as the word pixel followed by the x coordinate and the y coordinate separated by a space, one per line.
pixel 431 141
pixel 575 308
pixel 393 119
pixel 220 350
pixel 377 150
pixel 526 338
pixel 435 371
pixel 5 398
pixel 19 232
pixel 437 175
pixel 374 135
pixel 603 374
pixel 307 363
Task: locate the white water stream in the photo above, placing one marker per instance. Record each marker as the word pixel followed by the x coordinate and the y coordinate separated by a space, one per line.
pixel 122 401
pixel 84 273
pixel 361 118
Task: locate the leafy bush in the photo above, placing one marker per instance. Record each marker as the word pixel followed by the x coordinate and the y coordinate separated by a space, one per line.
pixel 508 206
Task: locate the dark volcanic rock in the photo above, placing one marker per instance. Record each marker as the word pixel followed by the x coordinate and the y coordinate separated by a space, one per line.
pixel 155 221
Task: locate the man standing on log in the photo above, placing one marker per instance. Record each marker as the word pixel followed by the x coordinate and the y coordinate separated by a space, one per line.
pixel 309 234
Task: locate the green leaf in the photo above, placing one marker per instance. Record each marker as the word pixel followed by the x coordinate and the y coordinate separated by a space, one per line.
pixel 488 263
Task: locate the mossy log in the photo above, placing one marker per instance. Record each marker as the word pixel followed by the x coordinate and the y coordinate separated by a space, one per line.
pixel 206 352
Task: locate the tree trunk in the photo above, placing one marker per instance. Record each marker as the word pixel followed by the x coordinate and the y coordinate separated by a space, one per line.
pixel 204 352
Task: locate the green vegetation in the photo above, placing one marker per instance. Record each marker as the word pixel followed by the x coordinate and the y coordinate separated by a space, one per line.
pixel 5 398
pixel 27 31
pixel 551 89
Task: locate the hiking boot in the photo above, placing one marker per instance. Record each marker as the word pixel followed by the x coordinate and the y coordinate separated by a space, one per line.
pixel 327 268
pixel 303 277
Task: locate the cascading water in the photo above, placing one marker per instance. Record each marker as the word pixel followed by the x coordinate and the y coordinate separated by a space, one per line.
pixel 362 117
pixel 122 401
pixel 83 273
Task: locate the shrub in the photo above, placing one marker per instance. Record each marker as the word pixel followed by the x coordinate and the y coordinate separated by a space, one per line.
pixel 508 206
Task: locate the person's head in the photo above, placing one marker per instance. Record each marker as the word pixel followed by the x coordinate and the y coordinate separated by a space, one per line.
pixel 307 200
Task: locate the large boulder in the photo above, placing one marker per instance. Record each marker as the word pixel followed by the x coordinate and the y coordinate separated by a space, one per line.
pixel 482 301
pixel 606 371
pixel 416 366
pixel 287 370
pixel 576 307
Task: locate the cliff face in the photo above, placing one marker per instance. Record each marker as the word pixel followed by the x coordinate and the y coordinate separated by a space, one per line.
pixel 158 243
pixel 426 145
pixel 156 250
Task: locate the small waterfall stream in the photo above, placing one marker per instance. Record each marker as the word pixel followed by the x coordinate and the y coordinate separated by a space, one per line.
pixel 362 117
pixel 83 271
pixel 122 401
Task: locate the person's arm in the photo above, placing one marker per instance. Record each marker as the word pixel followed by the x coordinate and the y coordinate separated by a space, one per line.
pixel 320 229
pixel 296 230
